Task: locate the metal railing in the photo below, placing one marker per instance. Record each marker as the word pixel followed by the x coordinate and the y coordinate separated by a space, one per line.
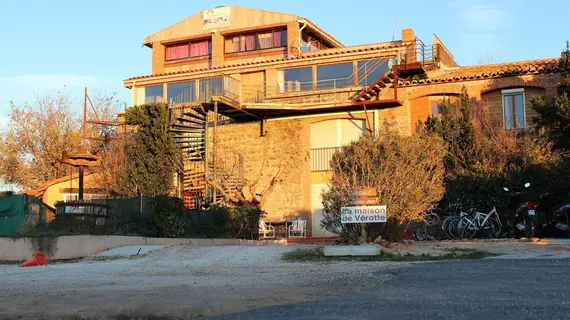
pixel 203 90
pixel 321 158
pixel 417 52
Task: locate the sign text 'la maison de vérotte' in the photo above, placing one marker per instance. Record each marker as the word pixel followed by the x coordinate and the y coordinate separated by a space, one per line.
pixel 365 208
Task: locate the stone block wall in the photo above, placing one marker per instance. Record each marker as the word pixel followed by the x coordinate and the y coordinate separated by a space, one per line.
pixel 284 147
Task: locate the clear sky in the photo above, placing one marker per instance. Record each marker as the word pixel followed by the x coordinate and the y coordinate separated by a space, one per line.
pixel 69 44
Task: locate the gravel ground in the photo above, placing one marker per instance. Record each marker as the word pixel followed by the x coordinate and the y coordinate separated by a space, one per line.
pixel 128 251
pixel 181 281
pixel 189 281
pixel 478 289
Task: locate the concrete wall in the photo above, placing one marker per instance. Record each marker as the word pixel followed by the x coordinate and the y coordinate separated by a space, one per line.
pixel 71 247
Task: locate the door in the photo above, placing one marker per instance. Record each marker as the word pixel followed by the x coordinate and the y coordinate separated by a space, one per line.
pixel 317 210
pixel 253 87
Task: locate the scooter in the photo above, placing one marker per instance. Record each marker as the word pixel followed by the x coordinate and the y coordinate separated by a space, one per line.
pixel 556 217
pixel 522 213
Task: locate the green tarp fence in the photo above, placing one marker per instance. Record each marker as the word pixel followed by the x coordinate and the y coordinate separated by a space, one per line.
pixel 131 217
pixel 20 213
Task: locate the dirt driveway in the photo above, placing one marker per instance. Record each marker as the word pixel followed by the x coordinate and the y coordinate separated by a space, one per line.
pixel 182 282
pixel 188 282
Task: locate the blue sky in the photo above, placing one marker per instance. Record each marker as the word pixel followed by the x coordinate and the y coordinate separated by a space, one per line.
pixel 66 45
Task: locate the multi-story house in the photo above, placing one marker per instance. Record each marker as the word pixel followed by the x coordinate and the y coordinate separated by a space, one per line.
pixel 258 92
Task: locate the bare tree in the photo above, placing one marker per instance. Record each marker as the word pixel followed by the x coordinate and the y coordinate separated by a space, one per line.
pixel 31 148
pixel 250 193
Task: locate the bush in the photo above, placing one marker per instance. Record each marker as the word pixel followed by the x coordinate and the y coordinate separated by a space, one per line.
pixel 166 221
pixel 406 171
pixel 241 220
pixel 491 157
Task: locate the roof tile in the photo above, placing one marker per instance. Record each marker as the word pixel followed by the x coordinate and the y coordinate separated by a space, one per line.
pixel 491 71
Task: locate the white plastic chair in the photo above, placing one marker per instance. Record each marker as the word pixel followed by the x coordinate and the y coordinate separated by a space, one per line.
pixel 297 229
pixel 265 231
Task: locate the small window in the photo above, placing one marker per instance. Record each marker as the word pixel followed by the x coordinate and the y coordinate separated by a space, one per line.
pixel 154 94
pixel 435 108
pixel 200 48
pixel 256 41
pixel 186 50
pixel 514 116
pixel 178 51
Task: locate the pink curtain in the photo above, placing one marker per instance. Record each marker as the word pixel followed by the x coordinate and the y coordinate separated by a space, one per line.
pixel 177 52
pixel 279 38
pixel 248 43
pixel 201 48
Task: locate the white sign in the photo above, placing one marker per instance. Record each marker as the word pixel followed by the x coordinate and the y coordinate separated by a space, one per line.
pixel 216 18
pixel 363 214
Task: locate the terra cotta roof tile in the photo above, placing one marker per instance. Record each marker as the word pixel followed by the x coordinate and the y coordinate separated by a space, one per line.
pixel 490 71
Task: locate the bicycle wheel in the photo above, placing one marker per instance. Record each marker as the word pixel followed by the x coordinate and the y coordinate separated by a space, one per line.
pixel 455 228
pixel 469 229
pixel 432 227
pixel 445 227
pixel 488 229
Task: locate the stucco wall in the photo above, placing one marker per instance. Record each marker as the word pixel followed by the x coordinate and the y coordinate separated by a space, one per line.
pixel 56 192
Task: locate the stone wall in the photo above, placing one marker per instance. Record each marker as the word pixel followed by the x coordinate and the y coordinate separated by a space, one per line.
pixel 284 147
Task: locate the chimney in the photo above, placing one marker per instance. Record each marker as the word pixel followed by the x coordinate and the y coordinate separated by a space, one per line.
pixel 408 34
pixel 411 50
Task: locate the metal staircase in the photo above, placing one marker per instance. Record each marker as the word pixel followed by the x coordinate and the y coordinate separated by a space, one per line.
pixel 375 88
pixel 189 126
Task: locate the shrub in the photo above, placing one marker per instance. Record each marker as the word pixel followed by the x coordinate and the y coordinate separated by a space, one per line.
pixel 406 171
pixel 492 157
pixel 167 218
pixel 241 220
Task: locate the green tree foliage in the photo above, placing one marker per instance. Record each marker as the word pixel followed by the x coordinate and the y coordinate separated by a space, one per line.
pixel 554 116
pixel 482 157
pixel 152 154
pixel 455 127
pixel 406 171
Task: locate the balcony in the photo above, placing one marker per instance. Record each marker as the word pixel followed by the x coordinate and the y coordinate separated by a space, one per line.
pixel 321 158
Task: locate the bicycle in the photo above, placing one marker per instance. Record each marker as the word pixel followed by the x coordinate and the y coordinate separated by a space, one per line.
pixel 489 224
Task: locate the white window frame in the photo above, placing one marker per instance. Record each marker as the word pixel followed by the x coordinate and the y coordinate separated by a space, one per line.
pixel 511 92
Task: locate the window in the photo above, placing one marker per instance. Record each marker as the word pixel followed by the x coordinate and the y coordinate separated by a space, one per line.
pixel 310 43
pixel 181 92
pixel 514 116
pixel 177 51
pixel 371 70
pixel 296 79
pixel 154 94
pixel 435 108
pixel 186 50
pixel 256 41
pixel 200 48
pixel 335 75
